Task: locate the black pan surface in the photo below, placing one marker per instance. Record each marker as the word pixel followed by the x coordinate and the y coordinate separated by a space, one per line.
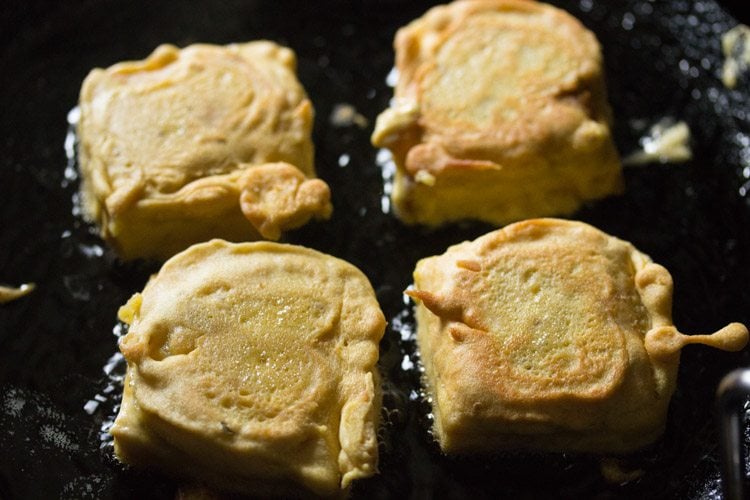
pixel 59 382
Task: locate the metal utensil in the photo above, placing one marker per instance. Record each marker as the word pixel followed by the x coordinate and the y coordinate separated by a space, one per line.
pixel 731 399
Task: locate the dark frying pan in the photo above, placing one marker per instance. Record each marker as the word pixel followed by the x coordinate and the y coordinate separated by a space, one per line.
pixel 57 386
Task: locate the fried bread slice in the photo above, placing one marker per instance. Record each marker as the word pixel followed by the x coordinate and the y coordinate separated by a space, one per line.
pixel 252 367
pixel 550 335
pixel 499 114
pixel 168 145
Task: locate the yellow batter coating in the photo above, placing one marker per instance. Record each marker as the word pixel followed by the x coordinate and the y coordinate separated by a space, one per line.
pixel 550 335
pixel 499 114
pixel 168 145
pixel 252 367
pixel 11 293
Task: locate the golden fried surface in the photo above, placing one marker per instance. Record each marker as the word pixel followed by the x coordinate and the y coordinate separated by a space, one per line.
pixel 11 293
pixel 549 334
pixel 252 366
pixel 499 114
pixel 167 143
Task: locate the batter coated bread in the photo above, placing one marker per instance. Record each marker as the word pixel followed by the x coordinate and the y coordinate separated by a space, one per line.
pixel 499 114
pixel 252 367
pixel 168 146
pixel 550 335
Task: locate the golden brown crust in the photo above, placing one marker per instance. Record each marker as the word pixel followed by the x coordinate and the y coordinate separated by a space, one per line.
pixel 255 362
pixel 493 94
pixel 536 336
pixel 278 196
pixel 174 133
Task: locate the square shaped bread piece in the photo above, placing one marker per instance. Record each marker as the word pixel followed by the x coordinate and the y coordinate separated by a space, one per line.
pixel 169 147
pixel 549 335
pixel 499 114
pixel 252 367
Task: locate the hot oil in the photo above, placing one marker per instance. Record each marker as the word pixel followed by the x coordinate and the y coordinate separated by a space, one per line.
pixel 81 244
pixel 42 437
pixel 105 404
pixel 94 283
pixel 387 166
pixel 691 217
pixel 742 141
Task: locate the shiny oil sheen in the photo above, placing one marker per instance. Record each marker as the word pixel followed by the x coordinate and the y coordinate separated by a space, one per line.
pixel 56 344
